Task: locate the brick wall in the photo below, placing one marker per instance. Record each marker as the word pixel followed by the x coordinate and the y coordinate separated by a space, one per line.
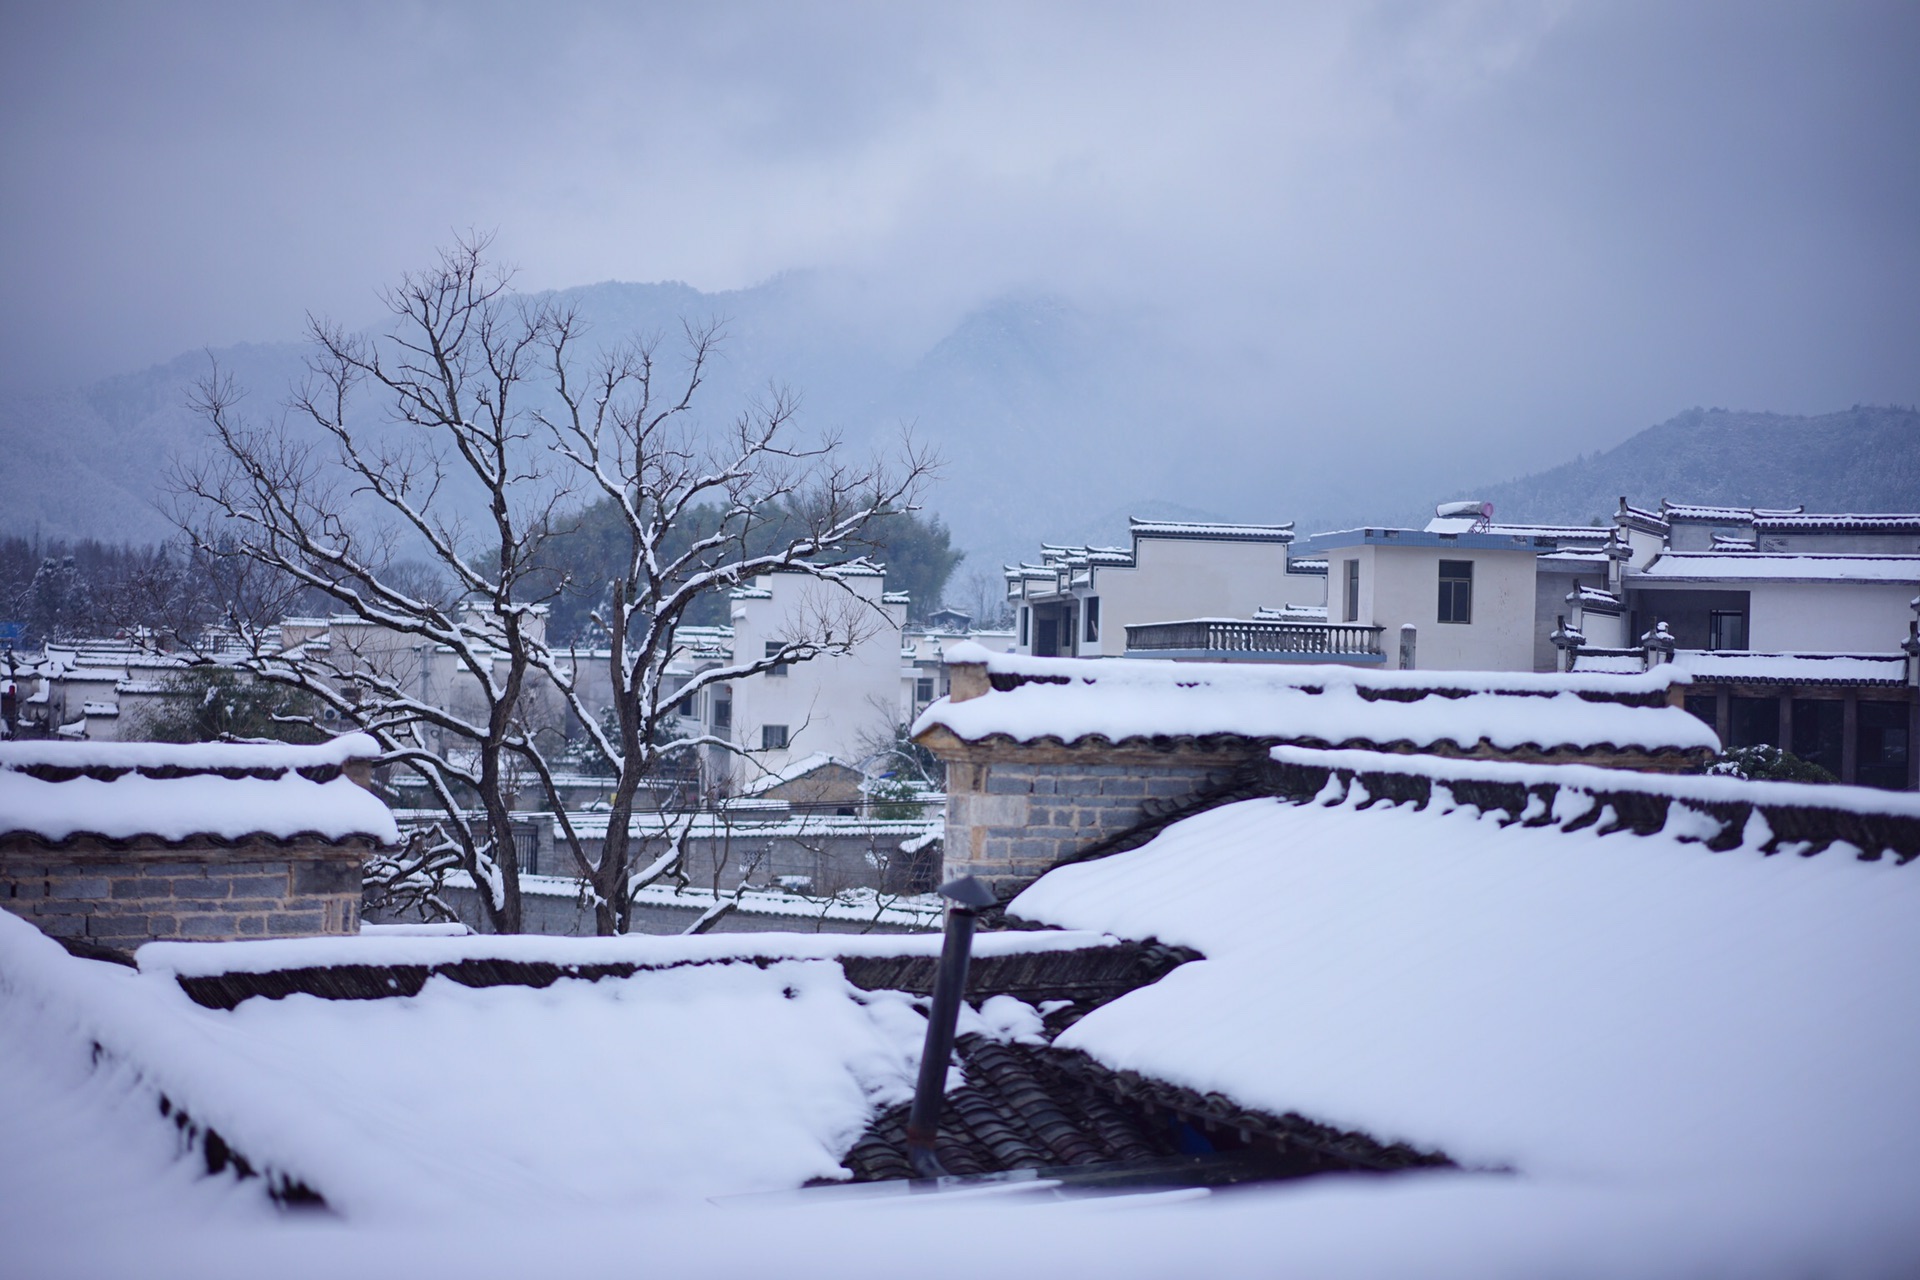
pixel 122 897
pixel 1014 812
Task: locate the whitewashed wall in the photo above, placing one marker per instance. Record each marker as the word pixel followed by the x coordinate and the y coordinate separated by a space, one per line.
pixel 1402 584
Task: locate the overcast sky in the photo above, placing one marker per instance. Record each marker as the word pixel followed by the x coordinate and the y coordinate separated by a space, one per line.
pixel 1410 215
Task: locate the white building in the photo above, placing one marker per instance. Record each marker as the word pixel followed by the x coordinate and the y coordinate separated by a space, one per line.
pixel 829 705
pixel 1080 601
pixel 1790 625
pixel 1462 594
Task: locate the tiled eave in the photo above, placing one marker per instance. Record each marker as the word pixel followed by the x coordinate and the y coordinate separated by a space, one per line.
pixel 16 840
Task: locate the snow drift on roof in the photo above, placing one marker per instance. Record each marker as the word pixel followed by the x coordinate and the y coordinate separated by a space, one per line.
pixel 380 1105
pixel 1630 1009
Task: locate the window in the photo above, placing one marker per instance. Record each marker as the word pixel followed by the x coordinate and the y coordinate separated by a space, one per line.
pixel 773 651
pixel 722 711
pixel 1819 725
pixel 1353 591
pixel 773 737
pixel 1753 722
pixel 1024 613
pixel 1456 590
pixel 1881 746
pixel 1093 617
pixel 686 706
pixel 923 690
pixel 1726 629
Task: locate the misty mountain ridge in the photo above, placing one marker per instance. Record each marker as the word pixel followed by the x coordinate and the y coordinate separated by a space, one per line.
pixel 1055 421
pixel 1864 459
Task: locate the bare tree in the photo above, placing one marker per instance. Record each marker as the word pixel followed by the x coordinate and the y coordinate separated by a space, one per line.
pixel 499 428
pixel 770 500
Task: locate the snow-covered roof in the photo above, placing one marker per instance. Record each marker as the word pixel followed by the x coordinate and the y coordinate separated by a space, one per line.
pixel 374 1103
pixel 1769 566
pixel 1533 988
pixel 1708 513
pixel 56 791
pixel 1838 522
pixel 1595 598
pixel 1579 533
pixel 1210 530
pixel 1076 699
pixel 1793 668
pixel 793 769
pixel 193 757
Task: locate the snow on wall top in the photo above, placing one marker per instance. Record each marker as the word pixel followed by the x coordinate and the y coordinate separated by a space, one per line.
pixel 189 756
pixel 1764 566
pixel 1075 698
pixel 210 959
pixel 1571 1004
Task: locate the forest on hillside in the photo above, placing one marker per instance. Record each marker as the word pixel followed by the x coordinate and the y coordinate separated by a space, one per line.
pixel 56 590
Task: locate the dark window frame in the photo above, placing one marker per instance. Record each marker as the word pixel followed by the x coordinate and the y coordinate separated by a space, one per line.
pixel 1718 622
pixel 773 737
pixel 773 649
pixel 1352 610
pixel 1091 611
pixel 1456 592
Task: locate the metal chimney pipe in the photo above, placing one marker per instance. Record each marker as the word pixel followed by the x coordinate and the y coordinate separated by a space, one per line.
pixel 968 897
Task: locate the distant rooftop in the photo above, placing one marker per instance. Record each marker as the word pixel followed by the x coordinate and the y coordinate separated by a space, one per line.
pixel 1774 566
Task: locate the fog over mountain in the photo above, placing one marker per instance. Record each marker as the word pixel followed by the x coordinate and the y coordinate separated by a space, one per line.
pixel 1321 262
pixel 1055 424
pixel 1026 399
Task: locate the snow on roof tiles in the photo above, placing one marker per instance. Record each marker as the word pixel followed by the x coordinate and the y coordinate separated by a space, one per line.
pixel 1557 996
pixel 189 756
pixel 1794 668
pixel 1074 699
pixel 1838 522
pixel 1204 529
pixel 1708 512
pixel 56 791
pixel 1765 566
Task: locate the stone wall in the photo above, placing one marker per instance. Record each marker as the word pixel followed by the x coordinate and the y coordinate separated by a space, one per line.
pixel 124 896
pixel 1014 812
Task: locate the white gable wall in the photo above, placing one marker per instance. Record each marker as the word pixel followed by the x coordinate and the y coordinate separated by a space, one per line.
pixel 1828 617
pixel 1178 578
pixel 830 703
pixel 1402 584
